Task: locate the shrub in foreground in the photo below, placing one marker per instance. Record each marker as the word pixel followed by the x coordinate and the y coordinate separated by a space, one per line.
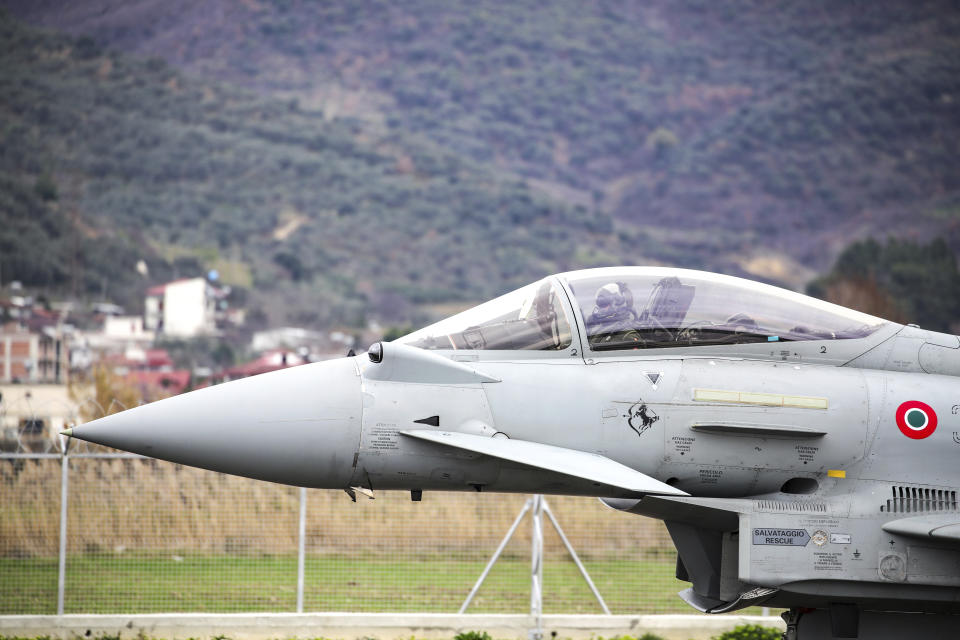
pixel 750 632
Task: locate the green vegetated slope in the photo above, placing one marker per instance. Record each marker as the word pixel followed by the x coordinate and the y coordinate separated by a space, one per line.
pixel 107 159
pixel 898 280
pixel 704 128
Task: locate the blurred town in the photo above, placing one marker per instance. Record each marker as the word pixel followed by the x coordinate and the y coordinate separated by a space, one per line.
pixel 61 362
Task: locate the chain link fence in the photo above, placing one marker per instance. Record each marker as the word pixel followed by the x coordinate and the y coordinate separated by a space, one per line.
pixel 144 535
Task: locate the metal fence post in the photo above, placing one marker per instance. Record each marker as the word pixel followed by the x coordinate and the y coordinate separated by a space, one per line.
pixel 302 547
pixel 62 568
pixel 536 569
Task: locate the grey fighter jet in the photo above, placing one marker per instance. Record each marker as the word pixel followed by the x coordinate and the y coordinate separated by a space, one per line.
pixel 802 455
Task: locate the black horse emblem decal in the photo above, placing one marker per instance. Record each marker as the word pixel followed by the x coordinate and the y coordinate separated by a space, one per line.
pixel 640 417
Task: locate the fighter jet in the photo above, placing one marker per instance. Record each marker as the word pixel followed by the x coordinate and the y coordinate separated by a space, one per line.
pixel 802 455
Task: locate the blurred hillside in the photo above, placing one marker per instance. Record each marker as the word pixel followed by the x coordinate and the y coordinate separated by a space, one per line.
pixel 385 155
pixel 899 280
pixel 108 159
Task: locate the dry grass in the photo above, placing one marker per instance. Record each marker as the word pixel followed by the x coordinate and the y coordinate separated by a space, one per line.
pixel 146 535
pixel 144 505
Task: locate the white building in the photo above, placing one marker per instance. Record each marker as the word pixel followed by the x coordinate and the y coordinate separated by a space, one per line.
pixel 182 308
pixel 126 328
pixel 33 356
pixel 31 415
pixel 286 337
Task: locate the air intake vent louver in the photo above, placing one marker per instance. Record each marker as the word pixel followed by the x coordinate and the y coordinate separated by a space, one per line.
pixel 801 507
pixel 918 500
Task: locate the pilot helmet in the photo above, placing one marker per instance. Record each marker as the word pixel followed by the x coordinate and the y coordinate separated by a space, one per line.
pixel 611 302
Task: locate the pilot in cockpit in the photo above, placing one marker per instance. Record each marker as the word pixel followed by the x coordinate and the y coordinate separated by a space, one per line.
pixel 613 311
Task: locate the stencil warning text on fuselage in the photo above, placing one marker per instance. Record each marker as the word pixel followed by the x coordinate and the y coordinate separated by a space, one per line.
pixel 782 537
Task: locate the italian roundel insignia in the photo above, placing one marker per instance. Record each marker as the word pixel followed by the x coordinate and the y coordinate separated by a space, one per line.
pixel 916 419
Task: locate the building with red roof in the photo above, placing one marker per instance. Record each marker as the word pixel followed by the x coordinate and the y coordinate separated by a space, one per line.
pixel 270 361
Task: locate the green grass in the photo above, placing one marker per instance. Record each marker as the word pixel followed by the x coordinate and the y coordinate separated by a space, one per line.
pixel 28 585
pixel 128 583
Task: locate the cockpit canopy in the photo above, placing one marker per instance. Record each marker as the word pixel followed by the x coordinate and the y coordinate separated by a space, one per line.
pixel 643 308
pixel 658 307
pixel 535 317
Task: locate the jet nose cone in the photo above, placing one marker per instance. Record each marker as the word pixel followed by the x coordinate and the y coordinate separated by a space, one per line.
pixel 297 426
